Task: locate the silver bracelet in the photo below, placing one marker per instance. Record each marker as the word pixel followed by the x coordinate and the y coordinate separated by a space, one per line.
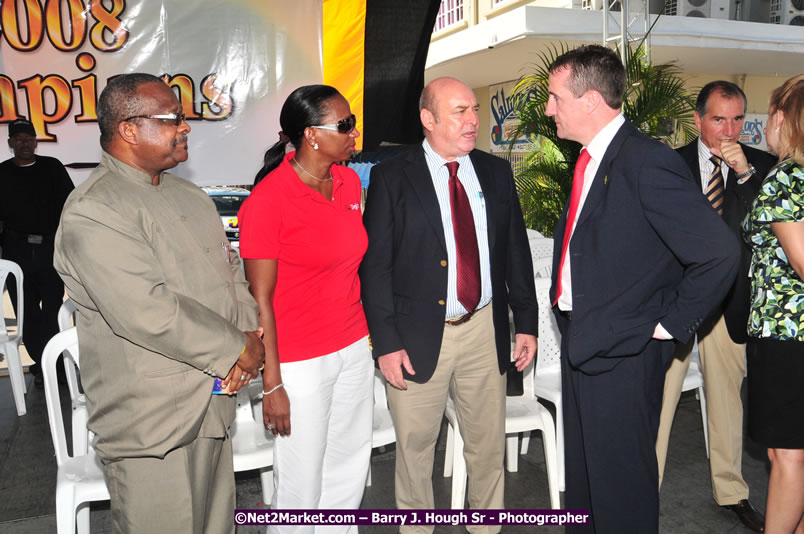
pixel 266 393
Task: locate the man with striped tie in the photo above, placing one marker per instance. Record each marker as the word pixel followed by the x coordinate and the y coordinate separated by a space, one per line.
pixel 729 174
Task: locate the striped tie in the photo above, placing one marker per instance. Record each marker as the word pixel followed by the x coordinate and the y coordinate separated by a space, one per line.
pixel 715 191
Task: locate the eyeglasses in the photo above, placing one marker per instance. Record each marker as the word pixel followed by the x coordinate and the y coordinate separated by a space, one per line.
pixel 176 119
pixel 343 126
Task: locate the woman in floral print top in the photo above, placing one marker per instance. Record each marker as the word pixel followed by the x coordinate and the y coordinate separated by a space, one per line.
pixel 777 291
pixel 775 230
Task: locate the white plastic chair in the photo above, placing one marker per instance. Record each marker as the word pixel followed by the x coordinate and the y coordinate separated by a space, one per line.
pixel 81 439
pixel 383 428
pixel 541 247
pixel 543 267
pixel 79 478
pixel 10 344
pixel 252 444
pixel 547 373
pixel 694 380
pixel 533 234
pixel 522 414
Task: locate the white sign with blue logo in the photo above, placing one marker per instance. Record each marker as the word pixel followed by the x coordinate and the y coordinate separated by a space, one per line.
pixel 753 133
pixel 504 119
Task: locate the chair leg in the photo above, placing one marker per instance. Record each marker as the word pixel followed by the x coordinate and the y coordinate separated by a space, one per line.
pixel 511 452
pixel 15 373
pixel 525 442
pixel 560 446
pixel 449 451
pixel 82 518
pixel 66 509
pixel 458 472
pixel 702 398
pixel 550 459
pixel 267 481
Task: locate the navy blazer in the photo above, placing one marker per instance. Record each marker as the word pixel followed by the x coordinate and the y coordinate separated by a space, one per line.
pixel 403 275
pixel 647 248
pixel 737 203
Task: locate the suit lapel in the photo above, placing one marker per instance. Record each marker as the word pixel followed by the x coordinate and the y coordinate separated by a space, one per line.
pixel 689 153
pixel 418 175
pixel 487 185
pixel 598 189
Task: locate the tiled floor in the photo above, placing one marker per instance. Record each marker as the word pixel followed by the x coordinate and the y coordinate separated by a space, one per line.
pixel 27 478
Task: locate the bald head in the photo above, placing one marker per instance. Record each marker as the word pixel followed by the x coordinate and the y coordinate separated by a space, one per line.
pixel 448 111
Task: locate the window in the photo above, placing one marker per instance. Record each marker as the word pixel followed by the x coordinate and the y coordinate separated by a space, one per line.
pixel 450 12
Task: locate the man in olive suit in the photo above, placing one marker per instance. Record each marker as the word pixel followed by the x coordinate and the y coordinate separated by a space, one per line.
pixel 163 310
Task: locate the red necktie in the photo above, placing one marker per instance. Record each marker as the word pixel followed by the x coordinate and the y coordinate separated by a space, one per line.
pixel 575 200
pixel 468 258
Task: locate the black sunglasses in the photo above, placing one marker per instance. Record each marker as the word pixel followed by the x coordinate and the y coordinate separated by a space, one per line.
pixel 343 126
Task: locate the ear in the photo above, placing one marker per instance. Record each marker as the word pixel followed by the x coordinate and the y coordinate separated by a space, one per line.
pixel 591 100
pixel 309 136
pixel 698 120
pixel 779 118
pixel 128 132
pixel 427 118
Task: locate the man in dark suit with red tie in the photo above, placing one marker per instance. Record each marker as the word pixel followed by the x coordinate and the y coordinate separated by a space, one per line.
pixel 447 255
pixel 640 258
pixel 729 174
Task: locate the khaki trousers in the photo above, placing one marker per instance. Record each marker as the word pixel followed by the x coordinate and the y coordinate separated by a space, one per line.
pixel 190 491
pixel 468 370
pixel 723 368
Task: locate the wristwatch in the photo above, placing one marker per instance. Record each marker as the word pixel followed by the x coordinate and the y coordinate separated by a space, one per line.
pixel 747 174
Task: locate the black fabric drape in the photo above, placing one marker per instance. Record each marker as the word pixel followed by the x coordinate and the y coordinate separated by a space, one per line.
pixel 397 40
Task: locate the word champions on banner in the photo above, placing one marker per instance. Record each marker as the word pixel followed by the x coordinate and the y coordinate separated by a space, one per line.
pixel 67 25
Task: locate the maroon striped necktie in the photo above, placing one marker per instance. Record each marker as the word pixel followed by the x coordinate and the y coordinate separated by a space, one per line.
pixel 715 190
pixel 468 258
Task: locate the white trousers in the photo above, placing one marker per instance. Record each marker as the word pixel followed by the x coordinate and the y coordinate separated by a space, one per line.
pixel 324 462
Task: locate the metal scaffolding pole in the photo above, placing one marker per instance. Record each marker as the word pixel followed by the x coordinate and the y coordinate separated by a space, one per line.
pixel 625 22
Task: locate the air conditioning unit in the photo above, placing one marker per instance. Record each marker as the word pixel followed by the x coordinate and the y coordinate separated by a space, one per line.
pixel 789 12
pixel 716 9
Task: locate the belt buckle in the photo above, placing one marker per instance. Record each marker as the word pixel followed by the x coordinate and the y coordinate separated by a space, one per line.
pixel 34 239
pixel 460 320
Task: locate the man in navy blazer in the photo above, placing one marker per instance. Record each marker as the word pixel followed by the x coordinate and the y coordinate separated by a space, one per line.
pixel 719 116
pixel 425 340
pixel 646 259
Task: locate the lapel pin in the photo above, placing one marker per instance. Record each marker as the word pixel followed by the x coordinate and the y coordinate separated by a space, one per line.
pixel 606 179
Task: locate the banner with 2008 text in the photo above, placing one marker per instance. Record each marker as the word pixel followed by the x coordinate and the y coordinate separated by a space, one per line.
pixel 231 63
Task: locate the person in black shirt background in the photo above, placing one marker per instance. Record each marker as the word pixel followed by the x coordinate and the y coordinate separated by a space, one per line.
pixel 33 190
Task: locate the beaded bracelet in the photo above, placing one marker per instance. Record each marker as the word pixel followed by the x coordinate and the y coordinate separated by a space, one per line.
pixel 266 393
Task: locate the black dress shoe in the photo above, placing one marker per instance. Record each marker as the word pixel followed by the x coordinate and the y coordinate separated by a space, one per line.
pixel 749 516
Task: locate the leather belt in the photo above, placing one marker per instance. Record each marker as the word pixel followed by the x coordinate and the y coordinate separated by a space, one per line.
pixel 463 318
pixel 566 314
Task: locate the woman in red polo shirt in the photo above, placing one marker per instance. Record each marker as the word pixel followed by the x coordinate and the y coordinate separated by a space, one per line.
pixel 302 239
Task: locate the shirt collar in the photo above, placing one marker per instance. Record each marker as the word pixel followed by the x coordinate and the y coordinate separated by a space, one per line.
pixel 704 154
pixel 600 143
pixel 128 172
pixel 434 156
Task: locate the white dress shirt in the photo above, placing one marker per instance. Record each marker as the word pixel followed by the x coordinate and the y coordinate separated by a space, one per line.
pixel 707 167
pixel 466 174
pixel 597 149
